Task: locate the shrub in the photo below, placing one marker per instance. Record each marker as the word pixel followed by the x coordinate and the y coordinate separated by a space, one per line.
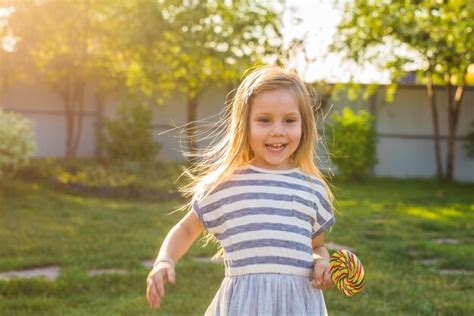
pixel 99 174
pixel 352 143
pixel 87 177
pixel 16 145
pixel 85 172
pixel 94 176
pixel 129 136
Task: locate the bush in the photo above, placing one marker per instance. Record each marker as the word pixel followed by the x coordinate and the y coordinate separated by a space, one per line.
pixel 352 143
pixel 16 145
pixel 85 172
pixel 86 177
pixel 99 174
pixel 469 146
pixel 129 136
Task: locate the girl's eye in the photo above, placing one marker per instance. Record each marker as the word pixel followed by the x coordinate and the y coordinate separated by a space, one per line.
pixel 263 120
pixel 290 120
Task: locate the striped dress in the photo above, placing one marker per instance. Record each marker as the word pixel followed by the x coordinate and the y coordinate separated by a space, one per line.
pixel 265 220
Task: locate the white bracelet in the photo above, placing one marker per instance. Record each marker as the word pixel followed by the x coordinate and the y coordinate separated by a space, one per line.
pixel 168 260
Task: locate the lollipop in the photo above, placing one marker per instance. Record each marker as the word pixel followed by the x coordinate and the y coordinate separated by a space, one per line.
pixel 346 272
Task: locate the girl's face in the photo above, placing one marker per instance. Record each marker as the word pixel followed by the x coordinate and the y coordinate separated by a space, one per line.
pixel 275 119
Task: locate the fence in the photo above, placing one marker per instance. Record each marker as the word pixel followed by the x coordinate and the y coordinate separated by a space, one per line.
pixel 405 143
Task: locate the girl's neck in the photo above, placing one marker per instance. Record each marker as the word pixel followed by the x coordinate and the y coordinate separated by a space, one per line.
pixel 249 164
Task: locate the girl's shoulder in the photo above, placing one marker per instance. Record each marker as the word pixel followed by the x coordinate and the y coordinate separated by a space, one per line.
pixel 311 178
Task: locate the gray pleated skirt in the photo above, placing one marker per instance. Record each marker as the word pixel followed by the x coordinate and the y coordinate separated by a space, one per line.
pixel 267 294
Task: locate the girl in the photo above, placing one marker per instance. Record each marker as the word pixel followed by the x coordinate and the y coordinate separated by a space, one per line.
pixel 260 194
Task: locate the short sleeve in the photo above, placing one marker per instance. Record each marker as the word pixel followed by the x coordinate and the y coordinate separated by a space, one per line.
pixel 196 205
pixel 324 212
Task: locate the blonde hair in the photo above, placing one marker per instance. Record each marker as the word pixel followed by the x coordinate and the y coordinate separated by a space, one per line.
pixel 214 164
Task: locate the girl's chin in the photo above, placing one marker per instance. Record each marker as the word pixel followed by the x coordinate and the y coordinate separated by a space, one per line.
pixel 276 163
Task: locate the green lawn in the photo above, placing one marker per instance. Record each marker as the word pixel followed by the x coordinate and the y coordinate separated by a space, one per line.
pixel 390 223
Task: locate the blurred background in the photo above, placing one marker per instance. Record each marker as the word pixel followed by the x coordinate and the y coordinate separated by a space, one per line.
pixel 101 100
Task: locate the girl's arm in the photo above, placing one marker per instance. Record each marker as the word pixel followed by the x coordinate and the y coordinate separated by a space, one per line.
pixel 176 244
pixel 181 237
pixel 318 247
pixel 321 277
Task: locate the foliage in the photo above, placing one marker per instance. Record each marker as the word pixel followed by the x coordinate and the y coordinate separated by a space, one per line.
pixel 153 48
pixel 352 143
pixel 92 174
pixel 432 37
pixel 469 146
pixel 70 59
pixel 129 136
pixel 16 145
pixel 83 172
pixel 9 64
pixel 200 43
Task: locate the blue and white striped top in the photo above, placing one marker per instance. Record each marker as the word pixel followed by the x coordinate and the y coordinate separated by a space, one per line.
pixel 265 220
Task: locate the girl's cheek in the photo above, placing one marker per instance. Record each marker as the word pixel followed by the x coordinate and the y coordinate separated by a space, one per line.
pixel 260 130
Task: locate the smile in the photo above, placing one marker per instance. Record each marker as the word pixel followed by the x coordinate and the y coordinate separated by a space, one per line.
pixel 276 147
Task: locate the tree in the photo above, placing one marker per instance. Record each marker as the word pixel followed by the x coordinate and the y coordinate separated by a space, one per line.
pixel 8 61
pixel 435 35
pixel 65 53
pixel 195 45
pixel 153 47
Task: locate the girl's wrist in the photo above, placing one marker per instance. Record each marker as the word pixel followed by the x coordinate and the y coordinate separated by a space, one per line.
pixel 321 261
pixel 321 252
pixel 319 258
pixel 316 257
pixel 167 260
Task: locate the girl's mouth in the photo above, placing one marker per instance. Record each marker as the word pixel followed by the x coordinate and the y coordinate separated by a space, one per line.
pixel 275 147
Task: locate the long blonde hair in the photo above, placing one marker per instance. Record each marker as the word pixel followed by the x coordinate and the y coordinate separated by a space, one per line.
pixel 215 163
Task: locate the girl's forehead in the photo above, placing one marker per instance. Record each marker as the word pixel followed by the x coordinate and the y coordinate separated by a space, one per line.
pixel 275 101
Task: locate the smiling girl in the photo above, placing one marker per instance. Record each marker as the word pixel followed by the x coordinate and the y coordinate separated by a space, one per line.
pixel 259 193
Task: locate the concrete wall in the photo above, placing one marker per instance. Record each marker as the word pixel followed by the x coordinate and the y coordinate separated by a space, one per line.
pixel 405 128
pixel 405 146
pixel 171 117
pixel 45 109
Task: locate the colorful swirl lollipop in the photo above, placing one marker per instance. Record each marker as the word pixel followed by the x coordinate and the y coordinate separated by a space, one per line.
pixel 347 272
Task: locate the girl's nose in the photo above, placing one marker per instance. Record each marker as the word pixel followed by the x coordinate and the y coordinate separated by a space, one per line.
pixel 277 130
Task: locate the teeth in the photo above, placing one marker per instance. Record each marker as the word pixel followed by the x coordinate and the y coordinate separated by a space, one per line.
pixel 276 147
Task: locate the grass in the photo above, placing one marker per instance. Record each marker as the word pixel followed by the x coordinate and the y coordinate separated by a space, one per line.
pixel 391 224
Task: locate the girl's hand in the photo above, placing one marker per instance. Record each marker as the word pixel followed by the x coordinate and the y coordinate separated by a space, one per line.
pixel 163 272
pixel 321 277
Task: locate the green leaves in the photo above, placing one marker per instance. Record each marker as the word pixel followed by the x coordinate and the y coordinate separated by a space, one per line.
pixel 129 136
pixel 198 43
pixel 440 32
pixel 152 47
pixel 16 145
pixel 352 143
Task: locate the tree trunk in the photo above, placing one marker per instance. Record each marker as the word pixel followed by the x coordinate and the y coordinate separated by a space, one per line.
pixel 454 106
pixel 79 115
pixel 372 107
pixel 80 85
pixel 99 125
pixel 434 112
pixel 192 103
pixel 69 113
pixel 73 99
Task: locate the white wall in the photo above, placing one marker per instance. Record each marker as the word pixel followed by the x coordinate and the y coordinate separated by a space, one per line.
pixel 407 149
pixel 45 109
pixel 404 147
